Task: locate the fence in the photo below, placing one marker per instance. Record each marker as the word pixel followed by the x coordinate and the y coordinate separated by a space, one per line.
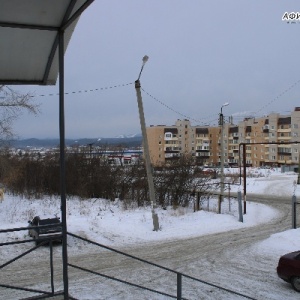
pixel 42 293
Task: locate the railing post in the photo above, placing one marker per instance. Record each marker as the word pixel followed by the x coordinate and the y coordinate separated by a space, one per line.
pixel 240 206
pixel 294 223
pixel 51 266
pixel 179 286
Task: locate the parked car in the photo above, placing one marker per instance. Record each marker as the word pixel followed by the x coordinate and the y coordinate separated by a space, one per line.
pixel 288 269
pixel 40 234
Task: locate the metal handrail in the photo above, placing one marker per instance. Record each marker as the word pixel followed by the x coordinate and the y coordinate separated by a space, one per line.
pixel 43 242
pixel 179 274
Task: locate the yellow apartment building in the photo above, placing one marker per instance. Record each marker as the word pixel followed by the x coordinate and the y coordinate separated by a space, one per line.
pixel 269 141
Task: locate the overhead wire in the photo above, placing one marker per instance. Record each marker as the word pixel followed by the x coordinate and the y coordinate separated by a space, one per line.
pixel 122 85
pixel 278 96
pixel 202 120
pixel 87 91
pixel 175 111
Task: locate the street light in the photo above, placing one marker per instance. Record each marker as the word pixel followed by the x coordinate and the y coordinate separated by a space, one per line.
pixel 221 123
pixel 146 148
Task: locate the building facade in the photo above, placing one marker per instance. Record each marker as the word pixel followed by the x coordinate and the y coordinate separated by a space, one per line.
pixel 271 140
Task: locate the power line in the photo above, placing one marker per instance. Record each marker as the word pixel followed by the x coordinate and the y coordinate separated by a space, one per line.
pixel 175 111
pixel 202 120
pixel 277 97
pixel 87 91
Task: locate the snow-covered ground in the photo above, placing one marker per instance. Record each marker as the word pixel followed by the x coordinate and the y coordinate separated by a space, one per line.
pixel 112 224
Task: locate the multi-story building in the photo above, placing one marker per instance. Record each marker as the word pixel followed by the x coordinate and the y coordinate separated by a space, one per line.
pixel 270 140
pixel 169 142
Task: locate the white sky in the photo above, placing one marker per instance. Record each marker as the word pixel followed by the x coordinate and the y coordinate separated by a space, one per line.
pixel 202 54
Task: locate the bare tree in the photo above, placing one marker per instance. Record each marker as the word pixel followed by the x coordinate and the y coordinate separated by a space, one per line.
pixel 179 180
pixel 12 105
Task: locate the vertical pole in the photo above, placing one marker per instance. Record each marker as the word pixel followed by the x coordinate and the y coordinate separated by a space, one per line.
pixel 240 206
pixel 179 286
pixel 244 175
pixel 62 165
pixel 51 266
pixel 298 181
pixel 294 223
pixel 229 200
pixel 221 198
pixel 147 155
pixel 240 164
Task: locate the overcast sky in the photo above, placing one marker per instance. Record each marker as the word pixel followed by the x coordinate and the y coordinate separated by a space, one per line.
pixel 201 55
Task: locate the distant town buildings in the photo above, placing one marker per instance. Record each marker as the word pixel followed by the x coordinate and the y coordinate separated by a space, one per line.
pixel 269 141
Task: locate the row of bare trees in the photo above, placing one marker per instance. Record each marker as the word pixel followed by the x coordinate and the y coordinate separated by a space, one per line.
pixel 34 175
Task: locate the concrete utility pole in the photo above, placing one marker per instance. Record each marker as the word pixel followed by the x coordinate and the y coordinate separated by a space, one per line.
pixel 149 168
pixel 221 123
pixel 298 180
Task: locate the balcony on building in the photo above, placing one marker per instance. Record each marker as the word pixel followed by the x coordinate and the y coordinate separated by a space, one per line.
pixel 170 134
pixel 171 149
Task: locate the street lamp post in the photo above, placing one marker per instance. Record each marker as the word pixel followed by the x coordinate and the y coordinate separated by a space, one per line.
pixel 221 123
pixel 146 148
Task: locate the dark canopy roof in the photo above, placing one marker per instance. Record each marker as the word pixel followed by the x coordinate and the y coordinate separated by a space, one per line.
pixel 29 38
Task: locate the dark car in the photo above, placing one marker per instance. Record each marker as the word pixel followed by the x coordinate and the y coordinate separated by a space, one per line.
pixel 53 231
pixel 288 269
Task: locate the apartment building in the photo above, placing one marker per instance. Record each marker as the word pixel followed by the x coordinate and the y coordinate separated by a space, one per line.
pixel 271 140
pixel 169 142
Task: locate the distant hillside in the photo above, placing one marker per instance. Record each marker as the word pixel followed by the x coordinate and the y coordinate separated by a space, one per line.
pixel 134 141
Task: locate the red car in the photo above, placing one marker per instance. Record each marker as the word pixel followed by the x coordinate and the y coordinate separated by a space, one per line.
pixel 288 269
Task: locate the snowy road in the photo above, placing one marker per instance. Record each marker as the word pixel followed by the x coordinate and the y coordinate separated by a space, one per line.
pixel 227 259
